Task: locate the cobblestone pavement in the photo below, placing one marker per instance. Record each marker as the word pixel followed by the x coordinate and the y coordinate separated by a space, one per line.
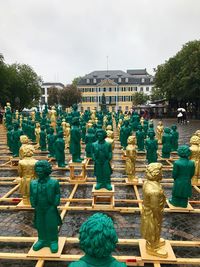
pixel 176 226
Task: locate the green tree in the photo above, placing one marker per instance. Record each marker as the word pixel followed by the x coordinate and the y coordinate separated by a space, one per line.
pixel 157 94
pixel 53 96
pixel 139 98
pixel 179 77
pixel 76 80
pixel 69 96
pixel 20 85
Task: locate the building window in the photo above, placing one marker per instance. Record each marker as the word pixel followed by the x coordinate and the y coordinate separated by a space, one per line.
pixel 126 80
pixel 141 89
pixel 88 81
pixel 42 100
pixel 120 98
pixel 126 108
pixel 94 80
pixel 43 91
pixel 147 89
pixel 119 80
pixel 151 79
pixel 88 108
pixel 126 98
pixel 110 89
pixel 143 80
pixel 135 88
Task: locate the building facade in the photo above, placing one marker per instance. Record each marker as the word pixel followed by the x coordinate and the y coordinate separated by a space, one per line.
pixel 117 86
pixel 44 90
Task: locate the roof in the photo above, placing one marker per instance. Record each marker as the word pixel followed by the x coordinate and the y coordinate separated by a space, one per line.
pixel 53 84
pixel 138 72
pixel 107 83
pixel 102 74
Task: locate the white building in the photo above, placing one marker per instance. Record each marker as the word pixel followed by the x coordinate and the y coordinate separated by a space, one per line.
pixel 44 90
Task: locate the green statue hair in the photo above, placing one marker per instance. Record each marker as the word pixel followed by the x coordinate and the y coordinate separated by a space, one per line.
pixel 184 151
pixel 98 237
pixel 46 166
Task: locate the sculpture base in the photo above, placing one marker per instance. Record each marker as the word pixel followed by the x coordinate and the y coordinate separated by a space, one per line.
pixel 46 252
pixel 151 258
pixel 135 181
pixel 179 209
pixel 103 198
pixel 75 166
pixel 23 204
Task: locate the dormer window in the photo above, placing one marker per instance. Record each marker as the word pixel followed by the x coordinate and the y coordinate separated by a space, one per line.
pixel 119 80
pixel 143 80
pixel 94 80
pixel 126 80
pixel 151 79
pixel 88 81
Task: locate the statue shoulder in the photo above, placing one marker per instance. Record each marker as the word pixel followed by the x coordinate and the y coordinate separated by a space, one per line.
pixel 79 263
pixel 116 263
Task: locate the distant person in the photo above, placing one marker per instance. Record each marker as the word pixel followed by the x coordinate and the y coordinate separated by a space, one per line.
pixel 184 117
pixel 180 117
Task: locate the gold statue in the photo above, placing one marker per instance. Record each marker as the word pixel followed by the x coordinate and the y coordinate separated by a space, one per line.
pixel 52 116
pixel 37 134
pixel 142 121
pixel 33 115
pixel 26 170
pixel 119 127
pixel 131 158
pixel 109 129
pixel 89 124
pixel 24 142
pixel 159 132
pixel 195 156
pixel 152 211
pixel 16 114
pixel 64 124
pixel 110 138
pixel 67 135
pixel 93 116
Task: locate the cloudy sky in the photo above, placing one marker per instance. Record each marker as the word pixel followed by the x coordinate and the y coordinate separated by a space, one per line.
pixel 62 39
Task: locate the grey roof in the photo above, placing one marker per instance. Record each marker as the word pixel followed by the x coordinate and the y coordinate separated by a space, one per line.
pixel 96 77
pixel 102 74
pixel 53 84
pixel 138 72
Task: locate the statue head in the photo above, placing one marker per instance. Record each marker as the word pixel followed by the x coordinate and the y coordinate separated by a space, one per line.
pixel 90 130
pixel 154 172
pixel 24 139
pixel 109 127
pixel 197 133
pixel 167 130
pixel 75 121
pixel 60 134
pixel 67 124
pixel 109 134
pixel 43 169
pixel 28 151
pixel 184 151
pixel 10 128
pixel 140 127
pixel 151 135
pixel 97 235
pixel 101 134
pixel 131 140
pixel 174 127
pixel 42 127
pixel 194 140
pixel 51 130
pixel 74 107
pixel 126 122
pixel 16 126
pixel 160 123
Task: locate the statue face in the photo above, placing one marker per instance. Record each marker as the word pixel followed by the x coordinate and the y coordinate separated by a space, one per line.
pixel 40 172
pixel 100 136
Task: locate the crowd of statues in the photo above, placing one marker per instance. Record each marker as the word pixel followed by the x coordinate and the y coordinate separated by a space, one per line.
pixel 57 131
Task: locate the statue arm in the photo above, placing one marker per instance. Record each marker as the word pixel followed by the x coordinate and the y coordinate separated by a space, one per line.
pixel 20 171
pixel 32 199
pixel 175 171
pixel 57 194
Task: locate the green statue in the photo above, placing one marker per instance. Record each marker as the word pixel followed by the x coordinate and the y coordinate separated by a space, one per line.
pixel 45 197
pixel 183 172
pixel 125 132
pixel 51 138
pixel 98 239
pixel 151 145
pixel 174 136
pixel 9 137
pixel 43 136
pixel 140 135
pixel 60 149
pixel 75 141
pixel 166 143
pixel 16 133
pixel 102 155
pixel 75 113
pixel 89 139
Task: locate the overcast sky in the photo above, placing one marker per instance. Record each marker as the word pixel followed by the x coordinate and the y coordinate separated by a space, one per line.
pixel 63 39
